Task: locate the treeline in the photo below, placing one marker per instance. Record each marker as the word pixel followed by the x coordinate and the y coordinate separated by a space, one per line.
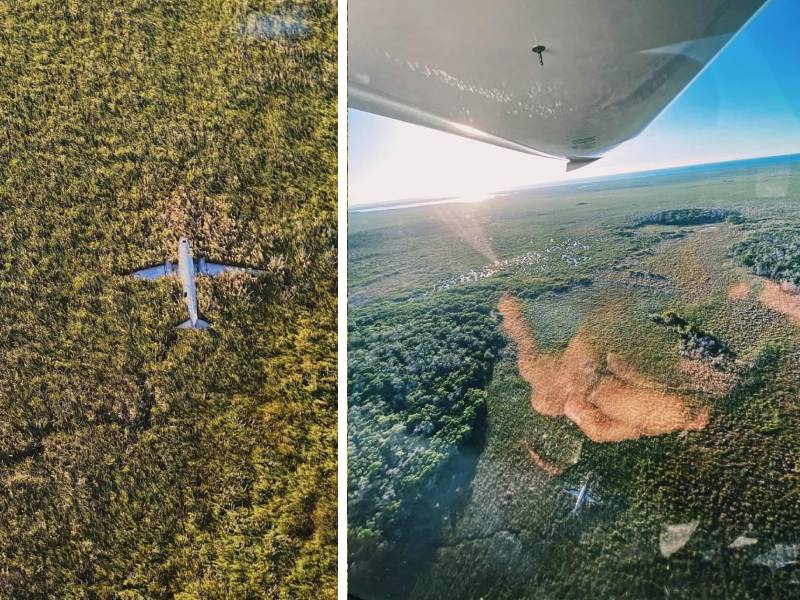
pixel 689 216
pixel 695 342
pixel 416 373
pixel 772 253
pixel 137 461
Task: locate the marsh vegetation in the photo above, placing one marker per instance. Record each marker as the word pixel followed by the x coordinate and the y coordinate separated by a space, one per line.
pixel 699 496
pixel 137 461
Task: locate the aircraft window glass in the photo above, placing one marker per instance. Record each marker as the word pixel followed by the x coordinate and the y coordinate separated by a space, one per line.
pixel 568 384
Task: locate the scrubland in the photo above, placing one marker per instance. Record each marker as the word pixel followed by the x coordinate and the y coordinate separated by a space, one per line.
pixel 638 351
pixel 137 461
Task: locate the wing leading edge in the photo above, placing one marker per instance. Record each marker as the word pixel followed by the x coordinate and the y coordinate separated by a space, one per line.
pixel 151 273
pixel 563 78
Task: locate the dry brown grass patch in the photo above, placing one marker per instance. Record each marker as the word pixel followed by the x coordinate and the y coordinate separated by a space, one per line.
pixel 739 291
pixel 620 404
pixel 779 300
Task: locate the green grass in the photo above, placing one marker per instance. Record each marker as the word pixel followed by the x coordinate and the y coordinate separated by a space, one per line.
pixel 139 461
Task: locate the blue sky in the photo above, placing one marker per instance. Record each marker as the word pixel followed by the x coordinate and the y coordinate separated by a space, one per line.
pixel 747 103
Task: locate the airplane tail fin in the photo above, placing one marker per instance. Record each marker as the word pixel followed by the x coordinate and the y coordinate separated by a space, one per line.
pixel 199 324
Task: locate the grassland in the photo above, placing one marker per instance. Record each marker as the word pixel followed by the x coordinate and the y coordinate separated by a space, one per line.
pixel 137 461
pixel 593 263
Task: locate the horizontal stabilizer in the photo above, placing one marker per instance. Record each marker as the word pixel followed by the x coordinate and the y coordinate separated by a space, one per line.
pixel 199 324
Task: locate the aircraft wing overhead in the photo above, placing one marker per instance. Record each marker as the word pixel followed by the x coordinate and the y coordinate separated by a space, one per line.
pixel 562 78
pixel 164 270
pixel 214 269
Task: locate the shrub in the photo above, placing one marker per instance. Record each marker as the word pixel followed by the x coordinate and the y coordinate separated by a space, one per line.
pixel 773 253
pixel 689 216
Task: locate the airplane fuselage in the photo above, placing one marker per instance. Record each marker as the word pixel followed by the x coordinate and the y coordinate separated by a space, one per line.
pixel 186 275
pixel 581 497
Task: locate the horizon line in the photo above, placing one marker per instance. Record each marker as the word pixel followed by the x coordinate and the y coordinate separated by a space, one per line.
pixel 420 201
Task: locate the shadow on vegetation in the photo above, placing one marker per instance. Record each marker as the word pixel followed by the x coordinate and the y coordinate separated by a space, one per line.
pixel 392 572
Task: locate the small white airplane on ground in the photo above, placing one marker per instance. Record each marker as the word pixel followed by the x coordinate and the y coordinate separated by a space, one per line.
pixel 186 269
pixel 581 495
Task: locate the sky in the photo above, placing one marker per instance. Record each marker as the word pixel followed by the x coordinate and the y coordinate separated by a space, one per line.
pixel 745 104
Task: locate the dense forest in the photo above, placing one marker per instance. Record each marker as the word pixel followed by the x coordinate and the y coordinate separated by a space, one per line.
pixel 416 373
pixel 137 461
pixel 772 253
pixel 682 217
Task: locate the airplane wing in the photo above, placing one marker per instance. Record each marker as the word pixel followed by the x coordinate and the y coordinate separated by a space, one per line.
pixel 213 269
pixel 156 272
pixel 571 492
pixel 562 78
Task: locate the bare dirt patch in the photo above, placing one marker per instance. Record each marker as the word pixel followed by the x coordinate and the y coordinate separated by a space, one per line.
pixel 781 300
pixel 608 399
pixel 739 291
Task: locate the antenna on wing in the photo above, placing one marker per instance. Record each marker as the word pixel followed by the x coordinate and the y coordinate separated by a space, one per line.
pixel 539 50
